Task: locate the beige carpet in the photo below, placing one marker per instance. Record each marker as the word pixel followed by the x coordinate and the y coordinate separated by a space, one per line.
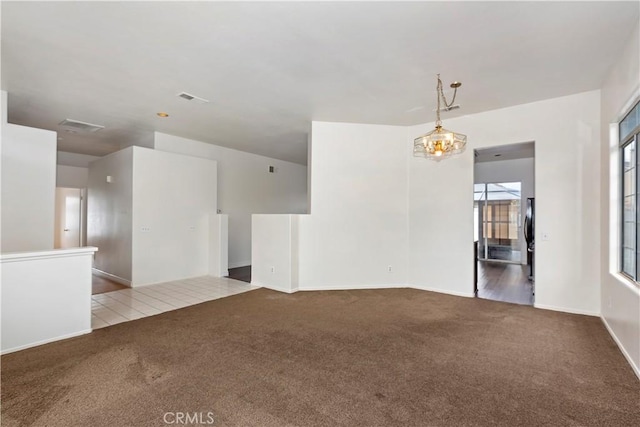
pixel 341 358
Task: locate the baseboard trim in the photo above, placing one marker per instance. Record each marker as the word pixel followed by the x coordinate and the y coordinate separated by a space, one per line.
pixel 387 286
pixel 636 369
pixel 47 341
pixel 111 277
pixel 443 291
pixel 274 288
pixel 349 287
pixel 566 310
pixel 239 264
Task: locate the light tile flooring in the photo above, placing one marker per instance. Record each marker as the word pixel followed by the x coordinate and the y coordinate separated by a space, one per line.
pixel 134 303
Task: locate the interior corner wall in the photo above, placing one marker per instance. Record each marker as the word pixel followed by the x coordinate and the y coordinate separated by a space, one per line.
pixel 28 188
pixel 356 235
pixel 173 197
pixel 246 187
pixel 3 107
pixel 109 213
pixel 515 170
pixel 566 132
pixel 620 299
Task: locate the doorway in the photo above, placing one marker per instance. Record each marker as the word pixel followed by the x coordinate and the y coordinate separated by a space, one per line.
pixel 69 218
pixel 503 191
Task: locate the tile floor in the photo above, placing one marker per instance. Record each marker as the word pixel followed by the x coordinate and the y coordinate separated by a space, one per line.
pixel 134 303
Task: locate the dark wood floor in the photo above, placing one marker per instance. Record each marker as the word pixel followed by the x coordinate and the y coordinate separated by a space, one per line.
pixel 241 273
pixel 504 282
pixel 100 285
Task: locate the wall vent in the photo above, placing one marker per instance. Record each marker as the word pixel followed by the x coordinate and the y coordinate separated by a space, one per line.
pixel 189 97
pixel 77 125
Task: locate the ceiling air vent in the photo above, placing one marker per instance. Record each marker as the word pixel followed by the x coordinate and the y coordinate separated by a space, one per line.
pixel 77 125
pixel 190 97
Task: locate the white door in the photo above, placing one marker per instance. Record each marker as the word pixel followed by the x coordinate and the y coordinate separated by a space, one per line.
pixel 68 218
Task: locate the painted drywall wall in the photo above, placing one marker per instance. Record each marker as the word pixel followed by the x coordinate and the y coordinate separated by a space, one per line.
pixel 516 170
pixel 46 296
pixel 620 298
pixel 74 159
pixel 245 187
pixel 218 245
pixel 72 176
pixel 28 188
pixel 566 132
pixel 3 106
pixel 109 213
pixel 173 197
pixel 274 252
pixel 358 227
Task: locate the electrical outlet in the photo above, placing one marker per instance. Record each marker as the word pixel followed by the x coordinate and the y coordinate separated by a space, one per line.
pixel 390 269
pixel 145 229
pixel 273 269
pixel 192 228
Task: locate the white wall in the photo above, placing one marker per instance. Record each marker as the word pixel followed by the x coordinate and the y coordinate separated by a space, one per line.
pixel 620 298
pixel 3 107
pixel 275 252
pixel 358 225
pixel 566 132
pixel 515 170
pixel 245 187
pixel 72 176
pixel 173 196
pixel 28 188
pixel 218 245
pixel 109 216
pixel 374 205
pixel 46 296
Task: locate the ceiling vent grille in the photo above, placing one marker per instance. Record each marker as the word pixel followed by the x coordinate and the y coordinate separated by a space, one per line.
pixel 190 97
pixel 77 125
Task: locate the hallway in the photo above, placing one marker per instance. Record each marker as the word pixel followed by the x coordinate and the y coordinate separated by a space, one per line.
pixel 504 282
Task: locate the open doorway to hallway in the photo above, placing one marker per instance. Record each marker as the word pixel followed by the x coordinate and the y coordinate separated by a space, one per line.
pixel 69 217
pixel 504 197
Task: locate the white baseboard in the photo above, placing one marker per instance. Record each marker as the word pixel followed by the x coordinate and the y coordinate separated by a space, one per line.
pixel 349 287
pixel 636 369
pixel 239 264
pixel 385 286
pixel 443 291
pixel 274 288
pixel 566 310
pixel 111 277
pixel 47 341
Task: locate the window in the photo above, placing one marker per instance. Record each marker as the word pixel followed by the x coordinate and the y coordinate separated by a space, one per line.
pixel 497 220
pixel 629 130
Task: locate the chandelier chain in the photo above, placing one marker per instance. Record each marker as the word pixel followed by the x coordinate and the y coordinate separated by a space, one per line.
pixel 444 98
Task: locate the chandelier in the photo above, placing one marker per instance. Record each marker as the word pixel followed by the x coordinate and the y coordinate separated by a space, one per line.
pixel 441 143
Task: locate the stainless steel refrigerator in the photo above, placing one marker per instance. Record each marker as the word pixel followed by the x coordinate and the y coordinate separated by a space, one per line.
pixel 529 235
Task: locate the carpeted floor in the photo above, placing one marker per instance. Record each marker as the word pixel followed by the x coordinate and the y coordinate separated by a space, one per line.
pixel 341 358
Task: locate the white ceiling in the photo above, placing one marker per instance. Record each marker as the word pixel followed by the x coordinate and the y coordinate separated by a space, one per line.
pixel 270 68
pixel 522 150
